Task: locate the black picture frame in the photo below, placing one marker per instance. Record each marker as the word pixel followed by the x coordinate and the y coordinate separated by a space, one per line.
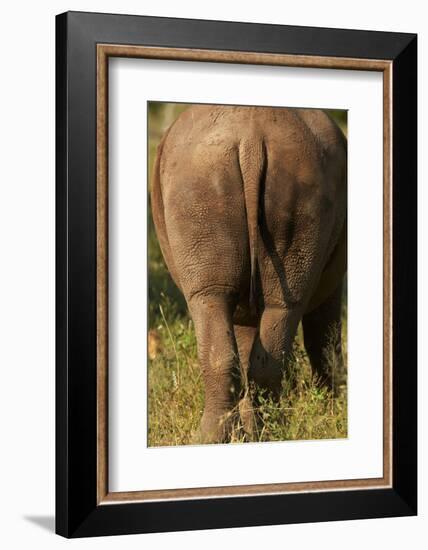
pixel 77 511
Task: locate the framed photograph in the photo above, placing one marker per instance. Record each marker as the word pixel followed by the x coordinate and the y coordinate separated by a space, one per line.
pixel 236 274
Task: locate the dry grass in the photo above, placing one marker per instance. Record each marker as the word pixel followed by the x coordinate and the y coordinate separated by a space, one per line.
pixel 306 410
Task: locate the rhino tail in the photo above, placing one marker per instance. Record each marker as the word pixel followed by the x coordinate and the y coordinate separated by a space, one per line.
pixel 252 162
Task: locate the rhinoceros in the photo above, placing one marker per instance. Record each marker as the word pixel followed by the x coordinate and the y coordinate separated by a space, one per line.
pixel 249 206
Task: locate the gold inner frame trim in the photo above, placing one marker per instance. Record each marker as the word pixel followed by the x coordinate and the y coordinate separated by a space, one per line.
pixel 104 51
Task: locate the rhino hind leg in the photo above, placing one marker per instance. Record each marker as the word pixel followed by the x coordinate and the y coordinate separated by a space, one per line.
pixel 219 362
pixel 272 347
pixel 322 332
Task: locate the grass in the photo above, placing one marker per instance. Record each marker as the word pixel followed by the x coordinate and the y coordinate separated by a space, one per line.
pixel 305 410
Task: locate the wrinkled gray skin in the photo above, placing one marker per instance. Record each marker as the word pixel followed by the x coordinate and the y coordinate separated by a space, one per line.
pixel 249 206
